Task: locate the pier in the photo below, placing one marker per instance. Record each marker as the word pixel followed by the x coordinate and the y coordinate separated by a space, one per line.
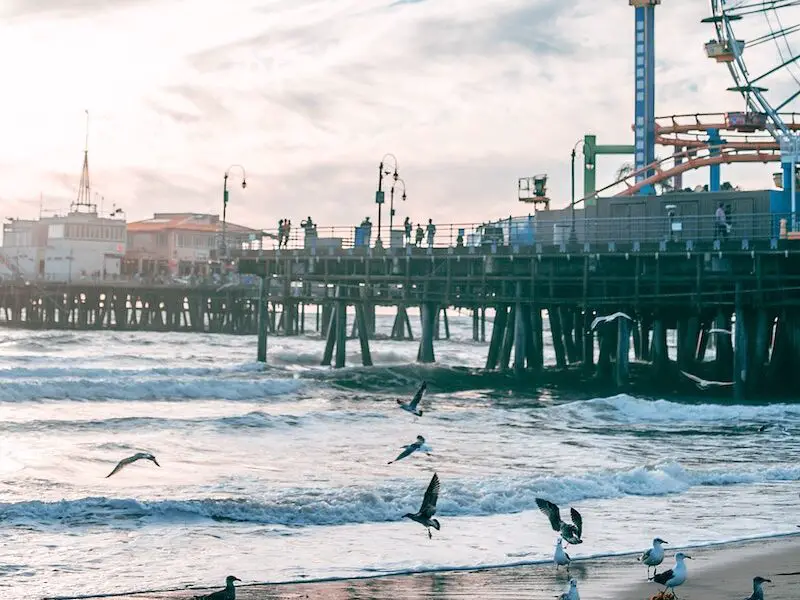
pixel 695 284
pixel 690 284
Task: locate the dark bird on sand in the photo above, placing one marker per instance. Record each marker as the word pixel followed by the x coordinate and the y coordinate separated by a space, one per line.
pixel 412 406
pixel 428 508
pixel 758 592
pixel 571 532
pixel 126 461
pixel 229 593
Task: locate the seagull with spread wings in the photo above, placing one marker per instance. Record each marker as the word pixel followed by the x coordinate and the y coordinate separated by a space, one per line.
pixel 571 532
pixel 425 513
pixel 411 448
pixel 412 406
pixel 131 459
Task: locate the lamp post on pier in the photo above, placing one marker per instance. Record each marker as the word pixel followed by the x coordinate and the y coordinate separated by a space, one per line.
pixel 391 202
pixel 572 235
pixel 225 206
pixel 379 194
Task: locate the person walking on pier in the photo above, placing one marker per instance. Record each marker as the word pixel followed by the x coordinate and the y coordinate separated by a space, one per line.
pixel 419 235
pixel 431 231
pixel 407 226
pixel 721 223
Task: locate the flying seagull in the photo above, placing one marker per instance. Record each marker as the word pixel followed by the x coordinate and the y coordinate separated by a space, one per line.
pixel 758 593
pixel 428 508
pixel 703 384
pixel 654 556
pixel 126 461
pixel 412 406
pixel 673 577
pixel 572 592
pixel 411 448
pixel 560 557
pixel 229 593
pixel 571 532
pixel 609 318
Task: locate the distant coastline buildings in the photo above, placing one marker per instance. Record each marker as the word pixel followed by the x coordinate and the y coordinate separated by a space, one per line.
pixel 86 245
pixel 78 245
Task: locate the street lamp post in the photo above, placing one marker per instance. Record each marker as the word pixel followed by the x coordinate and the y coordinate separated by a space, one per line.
pixel 391 202
pixel 572 236
pixel 379 193
pixel 225 206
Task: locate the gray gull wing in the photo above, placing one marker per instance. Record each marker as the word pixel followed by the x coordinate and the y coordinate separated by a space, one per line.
pixel 577 519
pixel 428 508
pixel 552 512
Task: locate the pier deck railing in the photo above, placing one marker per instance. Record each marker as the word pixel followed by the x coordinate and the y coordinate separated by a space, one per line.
pixel 531 231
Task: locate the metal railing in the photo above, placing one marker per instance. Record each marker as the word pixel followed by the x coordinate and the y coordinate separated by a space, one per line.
pixel 534 231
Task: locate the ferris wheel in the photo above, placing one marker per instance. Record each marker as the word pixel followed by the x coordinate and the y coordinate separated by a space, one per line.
pixel 759 41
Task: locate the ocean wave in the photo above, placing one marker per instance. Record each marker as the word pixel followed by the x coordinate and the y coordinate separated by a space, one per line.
pixel 149 387
pixel 629 410
pixel 388 502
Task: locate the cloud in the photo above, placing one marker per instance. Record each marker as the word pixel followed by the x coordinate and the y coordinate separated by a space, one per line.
pixel 310 94
pixel 63 8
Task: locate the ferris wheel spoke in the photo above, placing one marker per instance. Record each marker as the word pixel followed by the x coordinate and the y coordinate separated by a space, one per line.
pixel 773 35
pixel 784 64
pixel 787 101
pixel 754 8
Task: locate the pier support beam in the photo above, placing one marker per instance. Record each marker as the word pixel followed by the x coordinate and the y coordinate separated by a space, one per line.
pixel 588 340
pixel 363 334
pixel 622 370
pixel 740 350
pixel 658 352
pixel 428 316
pixel 557 335
pixel 724 346
pixel 498 332
pixel 263 317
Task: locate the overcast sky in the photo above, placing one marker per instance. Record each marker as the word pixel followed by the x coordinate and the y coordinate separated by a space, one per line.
pixel 308 95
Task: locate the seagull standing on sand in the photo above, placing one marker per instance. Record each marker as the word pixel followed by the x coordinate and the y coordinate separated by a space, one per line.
pixel 126 461
pixel 704 384
pixel 758 593
pixel 229 593
pixel 609 318
pixel 411 448
pixel 653 556
pixel 560 557
pixel 571 532
pixel 675 576
pixel 572 592
pixel 428 508
pixel 412 406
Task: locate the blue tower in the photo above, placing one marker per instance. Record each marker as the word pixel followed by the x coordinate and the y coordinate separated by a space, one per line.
pixel 645 66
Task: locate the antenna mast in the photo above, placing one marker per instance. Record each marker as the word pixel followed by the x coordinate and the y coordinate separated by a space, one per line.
pixel 84 199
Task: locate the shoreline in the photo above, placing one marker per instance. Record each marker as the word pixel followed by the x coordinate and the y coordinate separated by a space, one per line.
pixel 717 571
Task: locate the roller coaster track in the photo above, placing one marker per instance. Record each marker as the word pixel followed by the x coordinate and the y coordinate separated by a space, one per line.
pixel 689 134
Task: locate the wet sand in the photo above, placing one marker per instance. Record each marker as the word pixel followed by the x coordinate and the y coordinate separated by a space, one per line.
pixel 722 572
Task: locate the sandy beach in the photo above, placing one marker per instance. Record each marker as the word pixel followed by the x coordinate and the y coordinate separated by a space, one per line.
pixel 722 572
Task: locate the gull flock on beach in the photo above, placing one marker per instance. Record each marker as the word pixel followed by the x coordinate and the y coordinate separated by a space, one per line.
pixel 569 532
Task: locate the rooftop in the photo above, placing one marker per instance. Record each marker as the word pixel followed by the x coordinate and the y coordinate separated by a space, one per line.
pixel 186 222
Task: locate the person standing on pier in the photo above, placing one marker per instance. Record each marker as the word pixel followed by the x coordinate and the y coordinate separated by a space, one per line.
pixel 287 229
pixel 407 226
pixel 280 233
pixel 721 223
pixel 419 235
pixel 431 231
